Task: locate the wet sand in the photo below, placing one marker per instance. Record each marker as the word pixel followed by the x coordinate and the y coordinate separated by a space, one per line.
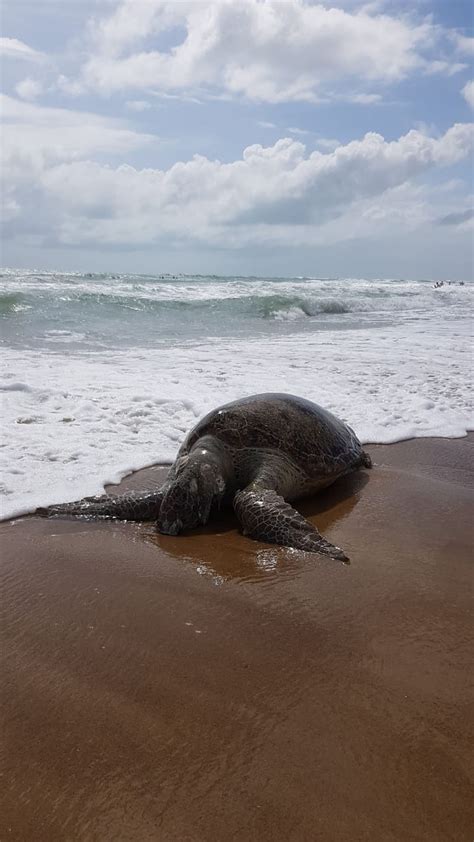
pixel 209 688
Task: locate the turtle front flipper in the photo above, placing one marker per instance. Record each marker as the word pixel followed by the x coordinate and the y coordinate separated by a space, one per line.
pixel 131 506
pixel 266 516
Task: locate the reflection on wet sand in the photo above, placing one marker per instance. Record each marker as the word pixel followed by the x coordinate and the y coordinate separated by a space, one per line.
pixel 239 558
pixel 209 687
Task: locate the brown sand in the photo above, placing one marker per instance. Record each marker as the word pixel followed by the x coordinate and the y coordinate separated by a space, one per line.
pixel 210 688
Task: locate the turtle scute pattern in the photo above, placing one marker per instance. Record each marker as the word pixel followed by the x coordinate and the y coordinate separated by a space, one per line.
pixel 311 436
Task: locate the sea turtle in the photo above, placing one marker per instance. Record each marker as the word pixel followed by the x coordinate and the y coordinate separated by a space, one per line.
pixel 259 453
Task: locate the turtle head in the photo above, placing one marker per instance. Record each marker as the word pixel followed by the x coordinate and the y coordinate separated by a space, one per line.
pixel 196 485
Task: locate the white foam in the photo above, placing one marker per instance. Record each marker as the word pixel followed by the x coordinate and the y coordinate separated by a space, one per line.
pixel 291 314
pixel 64 336
pixel 73 423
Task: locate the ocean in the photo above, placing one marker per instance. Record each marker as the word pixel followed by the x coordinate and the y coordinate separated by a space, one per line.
pixel 103 374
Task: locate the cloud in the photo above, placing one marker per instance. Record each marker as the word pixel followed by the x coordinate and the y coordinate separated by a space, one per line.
pixel 43 136
pixel 36 138
pixel 444 66
pixel 366 99
pixel 29 88
pixel 327 143
pixel 276 51
pixel 72 87
pixel 462 43
pixel 138 105
pixel 13 48
pixel 297 131
pixel 457 217
pixel 271 195
pixel 468 93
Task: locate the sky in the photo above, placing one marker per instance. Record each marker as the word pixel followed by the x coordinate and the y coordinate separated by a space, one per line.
pixel 250 137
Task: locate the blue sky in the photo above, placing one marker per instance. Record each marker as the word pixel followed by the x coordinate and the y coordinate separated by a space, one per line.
pixel 239 136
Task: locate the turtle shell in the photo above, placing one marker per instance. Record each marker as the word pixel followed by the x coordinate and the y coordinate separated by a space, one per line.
pixel 311 436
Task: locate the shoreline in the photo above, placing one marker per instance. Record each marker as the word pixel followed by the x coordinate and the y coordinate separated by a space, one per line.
pixel 131 405
pixel 208 686
pixel 422 448
pixel 155 472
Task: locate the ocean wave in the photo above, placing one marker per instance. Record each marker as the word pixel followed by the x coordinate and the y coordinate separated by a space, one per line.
pixel 97 311
pixel 12 303
pixel 263 306
pixel 103 313
pixel 290 307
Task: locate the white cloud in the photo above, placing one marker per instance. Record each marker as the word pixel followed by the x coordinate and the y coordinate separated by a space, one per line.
pixel 366 99
pixel 29 88
pixel 72 87
pixel 13 48
pixel 443 66
pixel 468 93
pixel 297 131
pixel 36 138
pixel 42 136
pixel 463 44
pixel 275 51
pixel 276 194
pixel 265 124
pixel 138 105
pixel 182 97
pixel 396 210
pixel 327 143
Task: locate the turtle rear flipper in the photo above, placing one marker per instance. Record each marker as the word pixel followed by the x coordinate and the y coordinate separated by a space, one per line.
pixel 131 506
pixel 266 516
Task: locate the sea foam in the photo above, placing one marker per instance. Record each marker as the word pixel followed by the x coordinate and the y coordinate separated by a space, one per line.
pixel 74 422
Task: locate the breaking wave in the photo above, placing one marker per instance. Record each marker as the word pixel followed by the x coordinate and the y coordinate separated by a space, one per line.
pixel 104 310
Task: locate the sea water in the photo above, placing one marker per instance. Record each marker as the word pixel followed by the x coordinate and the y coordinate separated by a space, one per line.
pixel 104 373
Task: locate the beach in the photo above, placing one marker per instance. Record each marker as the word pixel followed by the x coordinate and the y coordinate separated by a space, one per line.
pixel 237 247
pixel 208 687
